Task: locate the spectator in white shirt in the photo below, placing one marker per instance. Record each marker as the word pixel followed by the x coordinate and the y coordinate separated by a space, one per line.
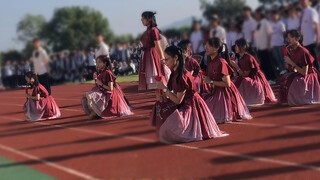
pixel 277 40
pixel 248 26
pixel 41 62
pixel 317 8
pixel 309 25
pixel 197 38
pixel 262 37
pixel 234 33
pixel 294 19
pixel 103 48
pixel 216 30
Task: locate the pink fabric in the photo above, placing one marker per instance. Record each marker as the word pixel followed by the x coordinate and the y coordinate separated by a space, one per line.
pixel 225 103
pixel 150 65
pixel 45 108
pixel 106 103
pixel 297 89
pixel 254 89
pixel 189 121
pixel 192 64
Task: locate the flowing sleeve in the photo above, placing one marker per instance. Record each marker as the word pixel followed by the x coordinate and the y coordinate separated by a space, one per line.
pixel 225 68
pixel 247 63
pixel 307 59
pixel 109 77
pixel 182 84
pixel 155 34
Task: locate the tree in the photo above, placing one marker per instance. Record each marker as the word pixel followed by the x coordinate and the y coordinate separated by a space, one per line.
pixel 30 27
pixel 225 9
pixel 177 32
pixel 75 28
pixel 12 55
pixel 272 3
pixel 123 38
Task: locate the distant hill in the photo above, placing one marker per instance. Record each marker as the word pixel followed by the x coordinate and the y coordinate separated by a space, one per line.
pixel 183 22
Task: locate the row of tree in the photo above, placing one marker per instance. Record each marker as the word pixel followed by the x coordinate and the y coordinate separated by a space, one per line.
pixel 76 27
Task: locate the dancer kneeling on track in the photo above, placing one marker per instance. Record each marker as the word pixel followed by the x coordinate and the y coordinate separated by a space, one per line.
pixel 301 85
pixel 251 82
pixel 180 114
pixel 225 102
pixel 39 105
pixel 106 99
pixel 192 65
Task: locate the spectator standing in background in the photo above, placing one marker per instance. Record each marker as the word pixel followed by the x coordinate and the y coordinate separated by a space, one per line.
pixel 249 25
pixel 216 30
pixel 262 37
pixel 40 60
pixel 293 20
pixel 309 26
pixel 103 48
pixel 277 40
pixel 197 38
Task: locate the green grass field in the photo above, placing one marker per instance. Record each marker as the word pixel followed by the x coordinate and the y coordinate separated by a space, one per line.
pixel 121 79
pixel 11 171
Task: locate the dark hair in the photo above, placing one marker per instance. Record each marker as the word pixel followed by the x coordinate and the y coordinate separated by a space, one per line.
pixel 30 75
pixel 243 43
pixel 217 43
pixel 247 8
pixel 106 60
pixel 296 34
pixel 261 11
pixel 275 12
pixel 184 45
pixel 150 16
pixel 176 51
pixel 35 40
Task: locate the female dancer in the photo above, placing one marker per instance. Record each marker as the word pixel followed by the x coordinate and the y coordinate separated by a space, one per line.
pixel 224 101
pixel 191 64
pixel 180 114
pixel 150 65
pixel 251 82
pixel 106 99
pixel 301 85
pixel 39 105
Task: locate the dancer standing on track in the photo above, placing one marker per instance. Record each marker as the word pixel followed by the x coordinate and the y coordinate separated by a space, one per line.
pixel 192 64
pixel 225 102
pixel 301 85
pixel 106 99
pixel 180 114
pixel 251 82
pixel 150 65
pixel 39 105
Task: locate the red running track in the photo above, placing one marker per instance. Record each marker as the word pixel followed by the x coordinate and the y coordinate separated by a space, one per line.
pixel 278 143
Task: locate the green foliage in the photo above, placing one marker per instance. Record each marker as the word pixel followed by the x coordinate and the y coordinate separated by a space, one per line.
pixel 276 3
pixel 123 39
pixel 177 32
pixel 12 55
pixel 75 28
pixel 30 27
pixel 226 9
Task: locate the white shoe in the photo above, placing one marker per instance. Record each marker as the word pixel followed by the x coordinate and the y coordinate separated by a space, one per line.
pixel 271 82
pixel 283 72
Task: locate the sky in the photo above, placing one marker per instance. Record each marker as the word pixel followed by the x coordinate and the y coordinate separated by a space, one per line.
pixel 123 15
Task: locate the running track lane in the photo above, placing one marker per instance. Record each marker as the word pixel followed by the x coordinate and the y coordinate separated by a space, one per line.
pixel 280 142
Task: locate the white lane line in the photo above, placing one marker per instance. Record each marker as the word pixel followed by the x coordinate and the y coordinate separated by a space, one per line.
pixel 270 125
pixel 48 163
pixel 214 151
